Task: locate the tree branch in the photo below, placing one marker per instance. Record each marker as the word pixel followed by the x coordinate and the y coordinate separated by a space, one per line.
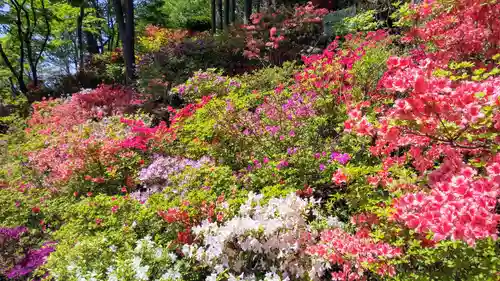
pixel 47 35
pixel 7 62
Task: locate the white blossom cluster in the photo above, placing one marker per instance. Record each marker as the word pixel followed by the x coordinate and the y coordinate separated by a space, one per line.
pixel 146 262
pixel 268 239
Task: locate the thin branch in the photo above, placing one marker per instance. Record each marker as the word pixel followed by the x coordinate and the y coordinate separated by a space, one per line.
pixel 452 143
pixel 47 35
pixel 7 62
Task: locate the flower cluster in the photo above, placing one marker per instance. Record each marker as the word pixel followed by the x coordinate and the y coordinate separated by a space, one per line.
pixel 461 205
pixel 458 30
pixel 427 117
pixel 32 260
pixel 139 263
pixel 353 253
pixel 273 235
pixel 157 175
pixel 156 37
pixel 272 32
pixel 206 83
pixel 13 233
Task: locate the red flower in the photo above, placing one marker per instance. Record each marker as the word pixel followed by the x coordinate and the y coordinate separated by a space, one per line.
pixel 35 209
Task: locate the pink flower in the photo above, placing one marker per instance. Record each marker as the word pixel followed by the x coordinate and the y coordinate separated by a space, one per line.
pixel 339 177
pixel 272 32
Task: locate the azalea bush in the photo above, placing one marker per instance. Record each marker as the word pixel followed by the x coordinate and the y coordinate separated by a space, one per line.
pixel 376 159
pixel 279 35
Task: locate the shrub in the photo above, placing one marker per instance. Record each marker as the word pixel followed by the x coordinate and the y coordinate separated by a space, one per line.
pixel 374 160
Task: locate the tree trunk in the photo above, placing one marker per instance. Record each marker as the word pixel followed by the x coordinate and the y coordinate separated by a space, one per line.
pixel 257 6
pixel 99 14
pixel 219 10
pixel 92 45
pixel 126 33
pixel 226 15
pixel 248 11
pixel 79 32
pixel 233 11
pixel 19 76
pixel 130 36
pixel 214 18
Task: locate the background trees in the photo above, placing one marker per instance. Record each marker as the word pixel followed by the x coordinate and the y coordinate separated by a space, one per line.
pixel 50 43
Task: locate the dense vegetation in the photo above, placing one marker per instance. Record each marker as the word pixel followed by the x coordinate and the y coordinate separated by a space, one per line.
pixel 302 144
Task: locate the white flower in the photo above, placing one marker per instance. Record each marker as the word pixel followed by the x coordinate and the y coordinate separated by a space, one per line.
pixel 136 262
pixel 158 253
pixel 262 235
pixel 112 248
pixel 186 250
pixel 171 275
pixel 93 275
pixel 141 272
pixel 272 276
pixel 212 277
pixel 334 222
pixel 71 267
pixel 231 278
pixel 172 256
pixel 219 268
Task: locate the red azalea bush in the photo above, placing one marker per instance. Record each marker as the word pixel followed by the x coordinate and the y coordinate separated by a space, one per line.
pixel 457 30
pixel 443 127
pixel 280 35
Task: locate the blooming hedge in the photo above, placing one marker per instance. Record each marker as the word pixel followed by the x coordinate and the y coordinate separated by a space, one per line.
pixel 374 160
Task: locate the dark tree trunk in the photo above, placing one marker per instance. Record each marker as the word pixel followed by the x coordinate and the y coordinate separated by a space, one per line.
pixel 92 45
pixel 126 33
pixel 219 11
pixel 111 26
pixel 99 14
pixel 226 14
pixel 257 6
pixel 214 18
pixel 130 36
pixel 248 11
pixel 19 76
pixel 79 32
pixel 233 11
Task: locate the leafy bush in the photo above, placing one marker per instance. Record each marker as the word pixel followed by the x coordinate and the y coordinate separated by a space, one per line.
pixel 377 159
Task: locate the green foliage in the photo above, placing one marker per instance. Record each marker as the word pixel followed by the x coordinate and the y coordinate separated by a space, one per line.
pixel 190 14
pixel 267 78
pixel 336 17
pixel 450 260
pixel 401 16
pixel 364 21
pixel 348 21
pixel 369 70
